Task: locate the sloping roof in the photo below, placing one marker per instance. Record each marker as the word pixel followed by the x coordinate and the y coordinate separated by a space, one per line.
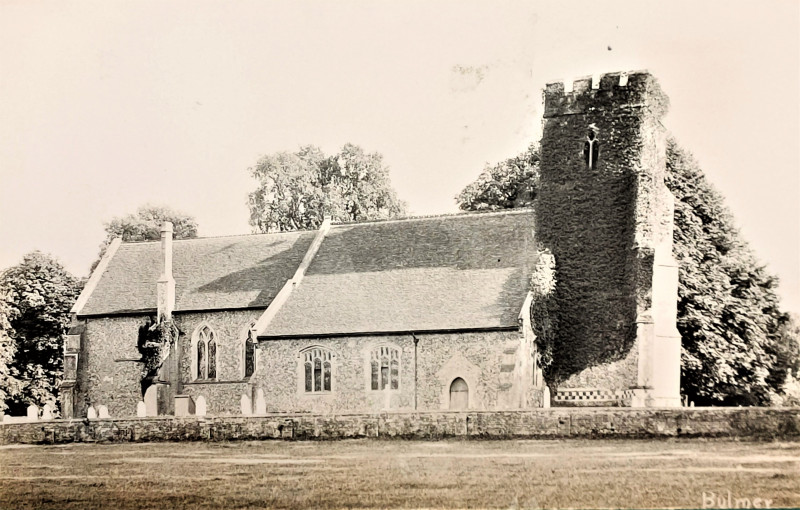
pixel 210 273
pixel 459 272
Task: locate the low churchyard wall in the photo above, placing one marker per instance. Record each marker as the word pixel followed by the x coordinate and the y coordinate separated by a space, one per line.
pixel 745 423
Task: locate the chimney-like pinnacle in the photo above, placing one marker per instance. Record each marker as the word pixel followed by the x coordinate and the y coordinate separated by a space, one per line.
pixel 166 283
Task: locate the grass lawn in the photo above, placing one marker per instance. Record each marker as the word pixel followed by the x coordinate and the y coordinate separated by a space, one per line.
pixel 374 473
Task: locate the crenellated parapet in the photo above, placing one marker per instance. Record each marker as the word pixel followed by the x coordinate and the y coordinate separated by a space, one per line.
pixel 620 89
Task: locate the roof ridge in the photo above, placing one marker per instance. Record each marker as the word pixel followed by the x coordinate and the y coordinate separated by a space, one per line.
pixel 457 215
pixel 200 238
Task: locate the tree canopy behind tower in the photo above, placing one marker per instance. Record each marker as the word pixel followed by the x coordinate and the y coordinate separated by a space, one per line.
pixel 505 185
pixel 737 346
pixel 36 295
pixel 736 349
pixel 296 190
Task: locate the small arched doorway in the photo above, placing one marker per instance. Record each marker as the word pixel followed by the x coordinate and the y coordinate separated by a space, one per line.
pixel 459 395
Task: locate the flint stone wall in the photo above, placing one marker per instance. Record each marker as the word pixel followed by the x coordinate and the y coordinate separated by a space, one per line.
pixel 440 358
pixel 744 423
pixel 108 373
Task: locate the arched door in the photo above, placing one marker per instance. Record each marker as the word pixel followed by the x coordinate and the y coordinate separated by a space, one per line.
pixel 459 395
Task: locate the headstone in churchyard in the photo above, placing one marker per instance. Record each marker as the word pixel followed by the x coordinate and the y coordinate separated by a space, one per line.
pixel 47 412
pixel 33 413
pixel 141 409
pixel 546 397
pixel 91 413
pixel 200 406
pixel 261 402
pixel 246 405
pixel 15 419
pixel 184 405
pixel 102 412
pixel 151 400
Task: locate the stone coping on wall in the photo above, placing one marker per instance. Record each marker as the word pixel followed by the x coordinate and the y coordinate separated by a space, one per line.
pixel 744 423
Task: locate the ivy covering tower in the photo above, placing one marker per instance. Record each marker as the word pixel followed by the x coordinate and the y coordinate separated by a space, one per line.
pixel 606 216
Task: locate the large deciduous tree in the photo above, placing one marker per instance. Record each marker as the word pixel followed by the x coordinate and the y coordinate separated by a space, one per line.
pixel 297 190
pixel 37 296
pixel 9 376
pixel 505 185
pixel 738 347
pixel 145 225
pixel 735 350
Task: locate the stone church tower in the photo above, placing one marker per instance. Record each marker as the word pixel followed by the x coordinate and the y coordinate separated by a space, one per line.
pixel 606 215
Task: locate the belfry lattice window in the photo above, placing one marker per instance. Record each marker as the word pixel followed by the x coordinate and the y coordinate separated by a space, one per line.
pixel 317 364
pixel 204 354
pixel 385 368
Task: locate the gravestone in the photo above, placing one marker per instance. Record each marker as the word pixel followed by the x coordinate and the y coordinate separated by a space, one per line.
pixel 141 409
pixel 246 405
pixel 15 419
pixel 91 413
pixel 261 402
pixel 546 397
pixel 200 406
pixel 33 413
pixel 151 400
pixel 47 412
pixel 184 405
pixel 102 412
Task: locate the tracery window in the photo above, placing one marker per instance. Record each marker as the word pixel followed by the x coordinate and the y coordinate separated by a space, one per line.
pixel 385 368
pixel 317 365
pixel 204 353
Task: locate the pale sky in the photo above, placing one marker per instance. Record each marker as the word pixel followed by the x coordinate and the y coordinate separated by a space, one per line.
pixel 106 106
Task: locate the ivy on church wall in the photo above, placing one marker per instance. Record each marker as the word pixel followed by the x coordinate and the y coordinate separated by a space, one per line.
pixel 544 312
pixel 155 340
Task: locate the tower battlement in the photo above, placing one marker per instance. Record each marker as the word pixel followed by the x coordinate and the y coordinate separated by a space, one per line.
pixel 619 89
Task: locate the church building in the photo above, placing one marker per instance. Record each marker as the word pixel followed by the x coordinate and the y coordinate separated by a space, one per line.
pixel 416 314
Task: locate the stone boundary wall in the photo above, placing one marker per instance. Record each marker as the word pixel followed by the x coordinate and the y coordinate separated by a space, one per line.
pixel 745 423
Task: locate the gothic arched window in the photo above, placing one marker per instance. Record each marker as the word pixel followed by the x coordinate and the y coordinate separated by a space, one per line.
pixel 317 366
pixel 591 148
pixel 385 368
pixel 204 353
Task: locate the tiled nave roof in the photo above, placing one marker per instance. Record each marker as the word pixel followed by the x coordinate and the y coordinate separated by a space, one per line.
pixel 212 273
pixel 456 272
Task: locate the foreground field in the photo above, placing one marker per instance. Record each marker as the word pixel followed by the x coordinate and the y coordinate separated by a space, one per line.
pixel 371 473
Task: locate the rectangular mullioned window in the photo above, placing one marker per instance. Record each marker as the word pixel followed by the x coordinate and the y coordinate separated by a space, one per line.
pixel 317 365
pixel 385 368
